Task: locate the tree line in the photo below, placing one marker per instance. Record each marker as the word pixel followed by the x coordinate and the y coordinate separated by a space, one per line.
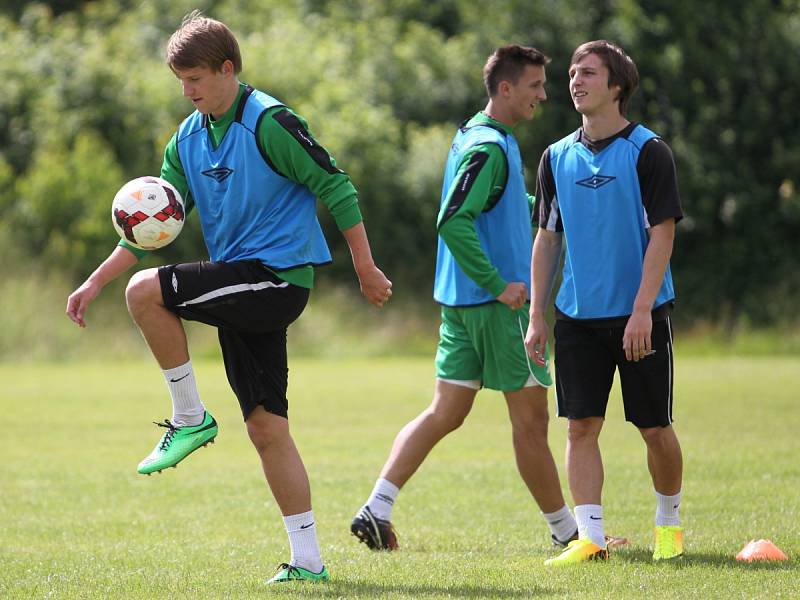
pixel 86 103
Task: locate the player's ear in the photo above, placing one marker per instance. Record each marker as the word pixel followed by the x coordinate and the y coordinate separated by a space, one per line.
pixel 504 88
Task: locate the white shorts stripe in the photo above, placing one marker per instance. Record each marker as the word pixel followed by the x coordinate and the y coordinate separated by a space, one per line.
pixel 669 365
pixel 473 384
pixel 532 379
pixel 233 289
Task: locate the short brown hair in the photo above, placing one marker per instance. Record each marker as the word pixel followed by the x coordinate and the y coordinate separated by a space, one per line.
pixel 622 70
pixel 203 42
pixel 508 63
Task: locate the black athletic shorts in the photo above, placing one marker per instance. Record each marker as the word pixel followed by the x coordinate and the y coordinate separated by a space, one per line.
pixel 586 358
pixel 251 308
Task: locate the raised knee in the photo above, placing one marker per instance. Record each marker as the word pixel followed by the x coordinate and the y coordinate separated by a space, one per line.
pixel 141 290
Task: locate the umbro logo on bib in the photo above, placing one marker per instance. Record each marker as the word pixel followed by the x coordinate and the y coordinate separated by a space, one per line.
pixel 596 181
pixel 218 174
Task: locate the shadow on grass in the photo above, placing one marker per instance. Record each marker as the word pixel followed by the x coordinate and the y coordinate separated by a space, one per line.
pixel 714 559
pixel 344 589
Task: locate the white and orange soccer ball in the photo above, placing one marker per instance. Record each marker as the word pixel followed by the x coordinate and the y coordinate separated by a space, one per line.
pixel 148 212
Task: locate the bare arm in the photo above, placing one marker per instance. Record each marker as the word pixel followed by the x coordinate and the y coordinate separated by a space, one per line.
pixel 374 284
pixel 636 340
pixel 119 261
pixel 544 262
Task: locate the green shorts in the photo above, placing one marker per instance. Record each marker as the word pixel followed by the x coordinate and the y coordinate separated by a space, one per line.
pixel 487 344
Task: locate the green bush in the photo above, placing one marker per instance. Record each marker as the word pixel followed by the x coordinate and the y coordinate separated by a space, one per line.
pixel 86 103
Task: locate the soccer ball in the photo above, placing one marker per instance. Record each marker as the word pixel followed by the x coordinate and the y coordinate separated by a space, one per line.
pixel 148 212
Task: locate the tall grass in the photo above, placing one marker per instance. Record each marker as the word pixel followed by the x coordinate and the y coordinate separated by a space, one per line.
pixel 337 323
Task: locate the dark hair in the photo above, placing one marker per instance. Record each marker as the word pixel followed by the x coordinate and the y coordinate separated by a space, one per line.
pixel 621 68
pixel 202 42
pixel 508 63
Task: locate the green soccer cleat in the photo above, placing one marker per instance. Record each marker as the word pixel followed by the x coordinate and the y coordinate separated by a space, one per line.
pixel 178 443
pixel 578 551
pixel 287 572
pixel 669 542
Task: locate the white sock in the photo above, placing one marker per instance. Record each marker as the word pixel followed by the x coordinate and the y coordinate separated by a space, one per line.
pixel 302 530
pixel 382 498
pixel 590 523
pixel 186 406
pixel 562 524
pixel 667 509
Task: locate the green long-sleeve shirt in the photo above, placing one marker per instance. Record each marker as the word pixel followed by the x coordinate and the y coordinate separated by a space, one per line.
pixel 458 230
pixel 289 158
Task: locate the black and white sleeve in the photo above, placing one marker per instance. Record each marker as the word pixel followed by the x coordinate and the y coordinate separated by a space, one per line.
pixel 658 182
pixel 545 211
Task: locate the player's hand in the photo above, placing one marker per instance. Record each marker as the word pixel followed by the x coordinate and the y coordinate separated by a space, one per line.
pixel 636 341
pixel 536 339
pixel 79 300
pixel 375 286
pixel 515 295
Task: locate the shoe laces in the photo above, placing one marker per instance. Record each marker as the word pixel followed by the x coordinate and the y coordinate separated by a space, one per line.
pixel 167 439
pixel 292 570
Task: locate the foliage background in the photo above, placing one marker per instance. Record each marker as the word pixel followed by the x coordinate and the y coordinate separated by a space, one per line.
pixel 87 103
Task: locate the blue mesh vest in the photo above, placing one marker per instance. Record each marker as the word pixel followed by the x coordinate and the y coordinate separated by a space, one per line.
pixel 247 210
pixel 504 230
pixel 605 227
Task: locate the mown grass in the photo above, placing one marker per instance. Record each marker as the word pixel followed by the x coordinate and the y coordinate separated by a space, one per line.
pixel 76 521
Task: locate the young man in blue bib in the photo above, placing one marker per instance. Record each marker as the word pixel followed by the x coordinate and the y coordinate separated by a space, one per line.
pixel 482 283
pixel 610 190
pixel 252 171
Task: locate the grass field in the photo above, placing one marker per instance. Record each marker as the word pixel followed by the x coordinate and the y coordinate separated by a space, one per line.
pixel 76 521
